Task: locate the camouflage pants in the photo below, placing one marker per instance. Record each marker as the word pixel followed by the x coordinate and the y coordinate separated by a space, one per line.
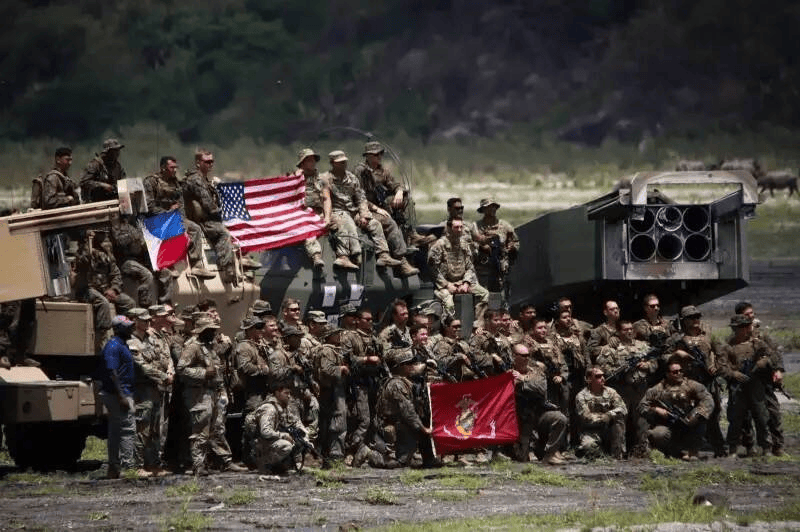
pixel 747 401
pixel 611 439
pixel 673 441
pixel 271 454
pixel 479 293
pixel 774 424
pixel 121 434
pixel 312 247
pixel 392 234
pixel 102 309
pixel 220 239
pixel 305 407
pixel 362 409
pixel 332 422
pixel 208 426
pixel 176 447
pixel 551 429
pixel 144 281
pixel 149 411
pixel 124 303
pixel 345 239
pixel 195 251
pixel 713 430
pixel 636 425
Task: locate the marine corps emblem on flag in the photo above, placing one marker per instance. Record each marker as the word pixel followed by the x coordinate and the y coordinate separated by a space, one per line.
pixel 475 414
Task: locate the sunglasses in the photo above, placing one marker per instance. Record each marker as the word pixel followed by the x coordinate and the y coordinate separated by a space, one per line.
pixel 599 376
pixel 207 161
pixel 295 309
pixel 676 371
pixel 654 306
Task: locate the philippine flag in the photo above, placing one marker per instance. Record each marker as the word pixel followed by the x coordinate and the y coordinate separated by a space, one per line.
pixel 166 238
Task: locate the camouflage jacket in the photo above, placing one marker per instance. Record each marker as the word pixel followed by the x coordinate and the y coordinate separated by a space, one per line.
pixel 396 404
pixel 315 187
pixel 393 336
pixel 601 335
pixel 347 194
pixel 448 353
pixel 271 417
pixel 329 366
pixel 195 359
pixel 151 360
pixel 281 366
pixel 504 231
pixel 358 345
pixel 451 263
pixel 706 347
pixel 590 407
pixel 58 190
pixel 162 193
pixel 644 328
pixel 97 270
pixel 484 345
pixel 129 243
pixel 531 391
pixel 734 357
pixel 201 199
pixel 690 396
pixel 253 368
pixel 98 173
pixel 550 355
pixel 611 359
pixel 573 348
pixel 373 180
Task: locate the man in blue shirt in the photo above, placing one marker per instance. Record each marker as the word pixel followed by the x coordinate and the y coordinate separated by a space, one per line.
pixel 117 396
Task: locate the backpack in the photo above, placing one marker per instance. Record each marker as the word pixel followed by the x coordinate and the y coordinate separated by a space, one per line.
pixel 37 189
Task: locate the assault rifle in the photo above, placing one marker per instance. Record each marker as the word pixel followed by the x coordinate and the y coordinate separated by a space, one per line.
pixel 676 416
pixel 300 448
pixel 746 369
pixel 632 362
pixel 698 360
pixel 473 365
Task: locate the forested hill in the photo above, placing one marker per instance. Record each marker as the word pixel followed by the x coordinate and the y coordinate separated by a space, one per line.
pixel 215 70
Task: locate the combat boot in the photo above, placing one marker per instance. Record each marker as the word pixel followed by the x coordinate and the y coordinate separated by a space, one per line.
pixel 234 468
pixel 406 270
pixel 344 263
pixel 250 264
pixel 416 239
pixel 552 458
pixel 386 260
pixel 318 262
pixel 202 273
pixel 361 456
pixel 25 361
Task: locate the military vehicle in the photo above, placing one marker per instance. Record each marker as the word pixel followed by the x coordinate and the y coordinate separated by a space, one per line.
pixel 47 412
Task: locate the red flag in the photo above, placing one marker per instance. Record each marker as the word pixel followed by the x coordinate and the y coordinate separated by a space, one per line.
pixel 473 414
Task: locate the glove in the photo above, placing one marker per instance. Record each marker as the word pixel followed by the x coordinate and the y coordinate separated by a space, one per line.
pixel 691 420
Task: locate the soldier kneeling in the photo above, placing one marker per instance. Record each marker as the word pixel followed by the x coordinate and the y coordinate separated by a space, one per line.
pixel 268 425
pixel 601 416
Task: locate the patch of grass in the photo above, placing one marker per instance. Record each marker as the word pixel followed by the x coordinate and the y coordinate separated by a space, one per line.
pixel 452 495
pixel 186 520
pixel 538 475
pixel 325 478
pixel 658 458
pixel 380 496
pixel 240 497
pixel 95 449
pixel 685 483
pixel 463 481
pixel 791 382
pixel 45 490
pixel 98 516
pixel 412 476
pixel 30 478
pixel 182 490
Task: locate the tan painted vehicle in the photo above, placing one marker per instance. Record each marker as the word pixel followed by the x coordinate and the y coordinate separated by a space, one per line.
pixel 47 412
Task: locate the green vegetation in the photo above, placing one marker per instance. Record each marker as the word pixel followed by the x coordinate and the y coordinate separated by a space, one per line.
pixel 685 482
pixel 182 490
pixel 240 497
pixel 187 520
pixel 462 481
pixel 95 449
pixel 658 458
pixel 412 476
pixel 380 496
pixel 98 516
pixel 451 495
pixel 325 478
pixel 538 475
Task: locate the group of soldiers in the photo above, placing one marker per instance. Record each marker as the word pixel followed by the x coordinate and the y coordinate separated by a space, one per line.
pixel 357 395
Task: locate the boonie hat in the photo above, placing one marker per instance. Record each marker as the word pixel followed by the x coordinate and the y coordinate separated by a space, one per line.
pixel 337 156
pixel 261 307
pixel 689 310
pixel 203 323
pixel 304 154
pixel 112 144
pixel 330 330
pixel 486 202
pixel 740 320
pixel 348 309
pixel 373 147
pixel 252 321
pixel 158 310
pixel 291 330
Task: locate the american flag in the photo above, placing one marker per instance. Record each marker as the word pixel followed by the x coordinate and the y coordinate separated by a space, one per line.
pixel 268 213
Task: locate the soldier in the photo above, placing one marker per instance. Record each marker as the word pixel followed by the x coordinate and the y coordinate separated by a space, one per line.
pixel 318 199
pixel 16 332
pixel 771 399
pixel 203 208
pixel 170 347
pixel 653 328
pixel 452 354
pixel 498 246
pixel 628 375
pixel 534 412
pixel 164 193
pixel 455 209
pixel 271 420
pixel 130 252
pixel 585 328
pixel 290 315
pixel 524 324
pixel 747 364
pixel 543 349
pixel 605 333
pixel 367 371
pixel 567 337
pixel 397 333
pixel 305 388
pixel 204 395
pixel 388 199
pixel 451 265
pixel 698 355
pixel 333 372
pixel 58 190
pixel 677 409
pixel 488 347
pixel 312 340
pixel 154 373
pixel 401 412
pixel 118 380
pixel 350 206
pixel 252 363
pixel 99 181
pixel 601 414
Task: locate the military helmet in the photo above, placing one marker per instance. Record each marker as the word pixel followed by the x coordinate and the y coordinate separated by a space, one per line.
pixel 139 314
pixel 111 144
pixel 317 316
pixel 304 154
pixel 487 202
pixel 337 156
pixel 396 357
pixel 158 310
pixel 348 309
pixel 291 330
pixel 373 147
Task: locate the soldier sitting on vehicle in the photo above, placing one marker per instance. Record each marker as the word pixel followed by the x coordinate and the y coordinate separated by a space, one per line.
pixel 600 413
pixel 451 264
pixel 58 190
pixel 677 409
pixel 318 199
pixel 99 181
pixel 498 246
pixel 268 426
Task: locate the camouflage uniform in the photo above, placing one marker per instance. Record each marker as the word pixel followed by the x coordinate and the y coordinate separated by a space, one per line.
pixel 381 181
pixel 632 386
pixel 490 276
pixel 400 418
pixel 644 329
pixel 131 253
pixel 364 382
pixel 572 345
pixel 164 192
pixel 253 367
pixel 58 190
pixel 601 336
pixel 153 365
pixel 96 272
pixel 601 421
pixel 550 426
pixel 202 398
pixel 393 336
pixel 747 397
pixel 453 264
pixel 305 389
pixel 333 405
pixel 447 353
pixel 555 366
pixel 691 397
pixel 203 207
pixel 99 172
pixel 315 185
pixel 272 448
pixel 770 398
pixel 484 345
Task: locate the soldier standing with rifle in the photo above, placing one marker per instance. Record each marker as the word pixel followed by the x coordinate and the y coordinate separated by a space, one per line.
pixel 498 246
pixel 333 373
pixel 99 181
